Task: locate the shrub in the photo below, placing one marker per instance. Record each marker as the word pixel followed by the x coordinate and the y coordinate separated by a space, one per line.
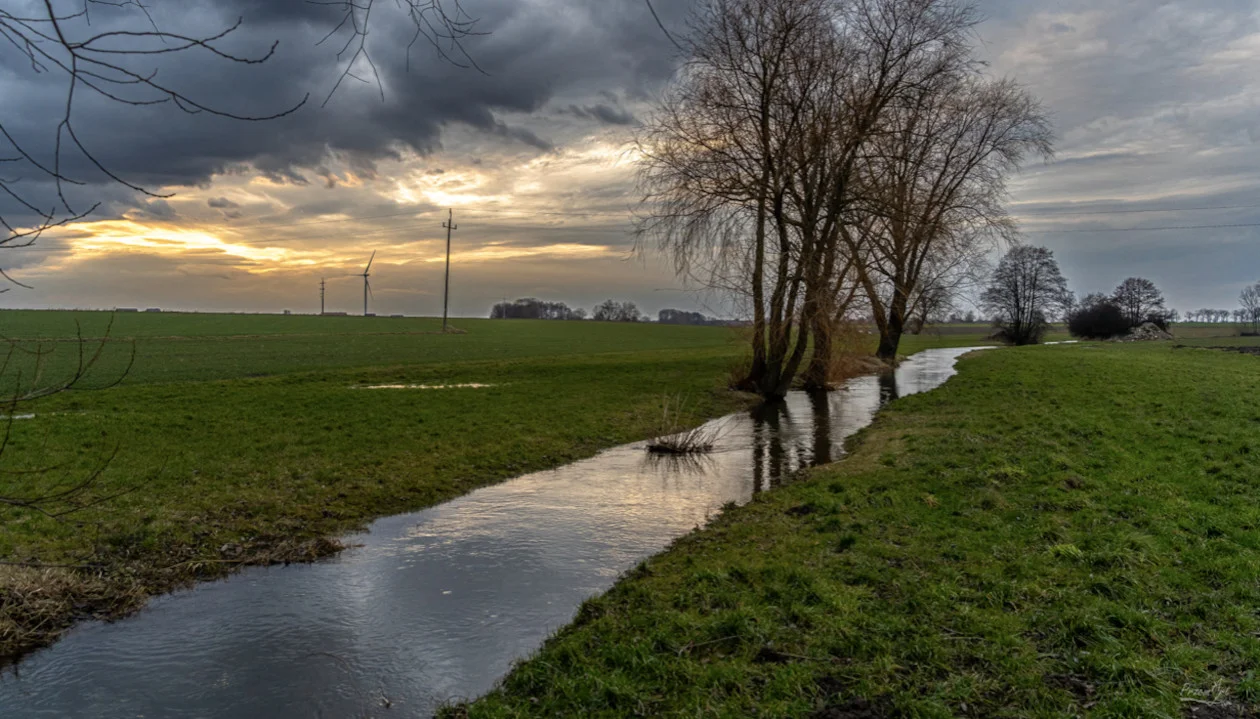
pixel 1098 322
pixel 1159 320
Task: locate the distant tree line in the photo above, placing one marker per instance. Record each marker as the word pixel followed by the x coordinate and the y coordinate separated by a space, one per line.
pixel 683 317
pixel 530 308
pixel 614 311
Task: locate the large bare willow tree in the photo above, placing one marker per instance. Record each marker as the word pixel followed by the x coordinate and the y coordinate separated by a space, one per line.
pixel 814 155
pixel 935 177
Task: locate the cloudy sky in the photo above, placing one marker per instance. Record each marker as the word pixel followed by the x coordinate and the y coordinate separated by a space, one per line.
pixel 1156 106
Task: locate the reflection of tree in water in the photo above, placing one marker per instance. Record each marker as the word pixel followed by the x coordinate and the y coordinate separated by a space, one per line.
pixel 820 403
pixel 887 388
pixel 780 448
pixel 768 451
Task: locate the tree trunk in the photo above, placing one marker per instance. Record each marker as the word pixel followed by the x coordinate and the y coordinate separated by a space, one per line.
pixel 890 334
pixel 818 373
pixel 757 371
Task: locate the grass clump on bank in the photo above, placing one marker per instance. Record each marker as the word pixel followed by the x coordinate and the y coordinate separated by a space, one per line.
pixel 1055 532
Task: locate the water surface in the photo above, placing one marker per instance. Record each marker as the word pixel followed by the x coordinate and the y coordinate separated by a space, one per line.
pixel 435 605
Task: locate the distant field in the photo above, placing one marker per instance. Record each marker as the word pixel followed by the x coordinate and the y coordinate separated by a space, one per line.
pixel 173 347
pixel 1203 334
pixel 183 347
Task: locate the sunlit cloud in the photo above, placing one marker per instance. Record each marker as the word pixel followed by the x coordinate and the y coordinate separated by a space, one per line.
pixel 558 251
pixel 109 236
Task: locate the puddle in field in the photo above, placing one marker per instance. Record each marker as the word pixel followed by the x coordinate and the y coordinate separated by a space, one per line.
pixel 471 385
pixel 436 605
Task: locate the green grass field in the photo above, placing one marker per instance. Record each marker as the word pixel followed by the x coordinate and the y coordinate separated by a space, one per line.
pixel 1058 531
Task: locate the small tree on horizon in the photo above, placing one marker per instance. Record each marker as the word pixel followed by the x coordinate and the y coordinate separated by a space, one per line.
pixel 1250 300
pixel 1139 299
pixel 614 311
pixel 1026 287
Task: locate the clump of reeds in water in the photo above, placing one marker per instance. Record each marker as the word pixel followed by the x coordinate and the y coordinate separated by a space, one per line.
pixel 674 440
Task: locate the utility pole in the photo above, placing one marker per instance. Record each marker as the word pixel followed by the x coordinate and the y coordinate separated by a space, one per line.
pixel 450 227
pixel 321 295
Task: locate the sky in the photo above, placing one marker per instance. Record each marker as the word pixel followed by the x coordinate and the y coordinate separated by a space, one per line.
pixel 1155 106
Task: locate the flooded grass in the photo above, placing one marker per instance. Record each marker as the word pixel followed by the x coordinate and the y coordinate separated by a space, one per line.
pixel 1055 532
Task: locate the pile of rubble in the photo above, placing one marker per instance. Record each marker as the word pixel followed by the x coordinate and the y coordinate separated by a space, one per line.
pixel 1147 332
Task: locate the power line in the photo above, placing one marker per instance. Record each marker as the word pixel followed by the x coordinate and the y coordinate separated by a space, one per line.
pixel 1146 229
pixel 1069 213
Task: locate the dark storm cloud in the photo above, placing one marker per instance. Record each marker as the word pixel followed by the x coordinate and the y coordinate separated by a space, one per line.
pixel 603 113
pixel 533 53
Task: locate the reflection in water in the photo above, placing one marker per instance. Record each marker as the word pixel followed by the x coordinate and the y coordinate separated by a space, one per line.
pixel 435 605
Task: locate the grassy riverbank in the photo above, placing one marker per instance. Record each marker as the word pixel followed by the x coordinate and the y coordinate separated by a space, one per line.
pixel 1058 531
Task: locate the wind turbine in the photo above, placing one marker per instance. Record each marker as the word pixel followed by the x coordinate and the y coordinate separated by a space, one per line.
pixel 367 287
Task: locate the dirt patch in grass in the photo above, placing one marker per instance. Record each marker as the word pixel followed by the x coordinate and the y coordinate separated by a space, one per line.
pixel 1241 349
pixel 855 709
pixel 1196 710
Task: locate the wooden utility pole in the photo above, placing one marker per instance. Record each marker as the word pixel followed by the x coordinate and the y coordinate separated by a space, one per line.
pixel 321 295
pixel 446 292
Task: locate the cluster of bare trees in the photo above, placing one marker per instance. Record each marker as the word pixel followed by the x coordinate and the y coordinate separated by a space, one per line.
pixel 1209 315
pixel 825 158
pixel 614 311
pixel 532 308
pixel 1249 313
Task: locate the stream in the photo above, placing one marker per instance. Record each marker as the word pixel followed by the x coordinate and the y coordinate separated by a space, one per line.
pixel 435 605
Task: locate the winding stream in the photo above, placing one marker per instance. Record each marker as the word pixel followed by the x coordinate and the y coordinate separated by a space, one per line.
pixel 435 605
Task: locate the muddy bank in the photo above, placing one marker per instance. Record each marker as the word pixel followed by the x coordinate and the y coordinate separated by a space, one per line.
pixel 38 602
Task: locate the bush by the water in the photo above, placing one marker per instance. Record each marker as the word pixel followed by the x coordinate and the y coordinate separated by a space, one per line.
pixel 1098 322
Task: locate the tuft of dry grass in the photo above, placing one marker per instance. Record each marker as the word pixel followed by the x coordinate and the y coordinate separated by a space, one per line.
pixel 674 439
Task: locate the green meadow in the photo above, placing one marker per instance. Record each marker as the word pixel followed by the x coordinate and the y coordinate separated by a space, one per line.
pixel 1056 532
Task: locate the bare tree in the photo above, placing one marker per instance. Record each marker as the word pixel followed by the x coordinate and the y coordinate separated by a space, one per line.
pixel 717 161
pixel 59 42
pixel 442 24
pixel 935 183
pixel 751 162
pixel 1250 300
pixel 614 311
pixel 1138 298
pixel 1026 288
